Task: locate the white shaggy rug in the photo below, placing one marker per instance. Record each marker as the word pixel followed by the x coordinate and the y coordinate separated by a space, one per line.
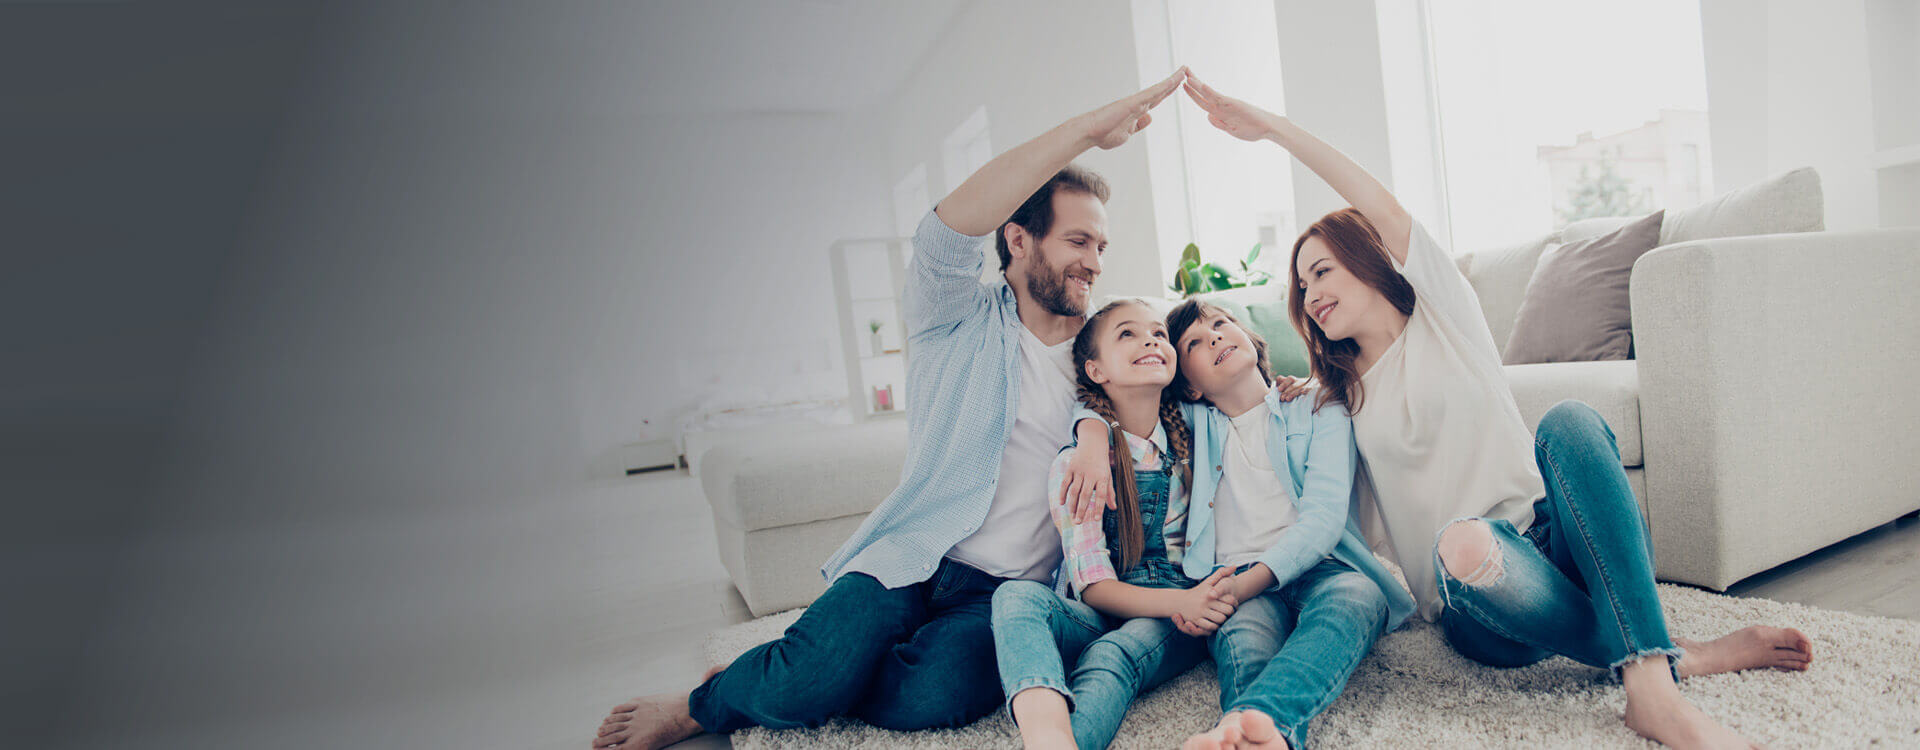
pixel 1414 691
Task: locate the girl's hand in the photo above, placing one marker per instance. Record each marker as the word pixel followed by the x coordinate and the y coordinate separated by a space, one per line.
pixel 1087 488
pixel 1289 388
pixel 1239 119
pixel 1206 606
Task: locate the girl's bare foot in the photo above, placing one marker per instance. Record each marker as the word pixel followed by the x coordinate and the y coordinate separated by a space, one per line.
pixel 1753 647
pixel 1657 711
pixel 1043 718
pixel 1240 729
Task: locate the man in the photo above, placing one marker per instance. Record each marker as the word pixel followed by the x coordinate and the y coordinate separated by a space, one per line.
pixel 902 637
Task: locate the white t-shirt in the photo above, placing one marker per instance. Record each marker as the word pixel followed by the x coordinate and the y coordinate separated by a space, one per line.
pixel 1439 434
pixel 1252 505
pixel 1017 539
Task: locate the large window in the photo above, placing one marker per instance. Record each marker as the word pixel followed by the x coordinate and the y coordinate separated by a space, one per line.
pixel 1553 111
pixel 1210 189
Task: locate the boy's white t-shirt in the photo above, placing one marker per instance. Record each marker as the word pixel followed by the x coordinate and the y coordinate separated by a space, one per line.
pixel 1438 430
pixel 1252 506
pixel 1017 539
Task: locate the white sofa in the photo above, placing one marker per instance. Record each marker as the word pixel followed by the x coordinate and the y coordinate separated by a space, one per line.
pixel 1768 412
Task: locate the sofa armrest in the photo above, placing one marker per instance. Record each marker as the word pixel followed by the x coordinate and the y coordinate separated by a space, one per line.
pixel 1776 391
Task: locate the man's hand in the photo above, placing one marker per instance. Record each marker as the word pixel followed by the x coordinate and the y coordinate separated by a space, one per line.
pixel 1239 119
pixel 1111 125
pixel 1205 607
pixel 1289 388
pixel 1087 488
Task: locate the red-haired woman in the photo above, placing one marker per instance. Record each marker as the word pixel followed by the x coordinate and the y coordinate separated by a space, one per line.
pixel 1518 545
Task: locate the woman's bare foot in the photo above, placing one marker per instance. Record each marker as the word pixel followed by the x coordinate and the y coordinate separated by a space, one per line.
pixel 1753 647
pixel 1043 718
pixel 1240 729
pixel 1657 711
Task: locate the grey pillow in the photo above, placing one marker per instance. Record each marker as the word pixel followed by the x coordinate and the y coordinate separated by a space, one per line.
pixel 1576 304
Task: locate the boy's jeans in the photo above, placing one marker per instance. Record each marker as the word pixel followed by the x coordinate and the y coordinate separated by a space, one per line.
pixel 1116 660
pixel 915 657
pixel 1288 653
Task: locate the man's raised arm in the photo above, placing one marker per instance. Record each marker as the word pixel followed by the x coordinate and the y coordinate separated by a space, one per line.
pixel 982 203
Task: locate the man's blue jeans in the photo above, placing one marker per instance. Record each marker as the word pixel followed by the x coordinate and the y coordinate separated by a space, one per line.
pixel 1288 653
pixel 1113 660
pixel 1579 583
pixel 915 657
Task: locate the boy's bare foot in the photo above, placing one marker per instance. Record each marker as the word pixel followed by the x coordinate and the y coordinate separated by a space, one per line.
pixel 1657 711
pixel 1240 729
pixel 1752 647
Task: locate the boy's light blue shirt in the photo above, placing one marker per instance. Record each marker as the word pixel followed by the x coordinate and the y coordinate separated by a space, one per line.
pixel 963 364
pixel 1318 450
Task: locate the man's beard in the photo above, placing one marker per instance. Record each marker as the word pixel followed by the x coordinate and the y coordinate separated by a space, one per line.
pixel 1049 288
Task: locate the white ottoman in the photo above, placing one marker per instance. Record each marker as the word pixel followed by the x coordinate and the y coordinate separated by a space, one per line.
pixel 782 503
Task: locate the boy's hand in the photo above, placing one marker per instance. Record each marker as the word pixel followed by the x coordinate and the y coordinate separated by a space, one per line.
pixel 1205 607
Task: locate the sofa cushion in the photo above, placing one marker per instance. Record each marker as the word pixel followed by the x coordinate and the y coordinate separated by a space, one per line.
pixel 1576 304
pixel 1791 202
pixel 799 477
pixel 1499 278
pixel 1612 388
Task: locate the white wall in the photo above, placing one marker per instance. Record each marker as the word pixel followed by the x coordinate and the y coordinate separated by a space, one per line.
pixel 532 255
pixel 1033 65
pixel 1787 87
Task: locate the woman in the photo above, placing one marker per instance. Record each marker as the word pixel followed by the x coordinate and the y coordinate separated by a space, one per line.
pixel 1520 546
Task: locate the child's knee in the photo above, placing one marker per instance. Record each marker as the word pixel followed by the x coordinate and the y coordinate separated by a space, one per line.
pixel 1469 553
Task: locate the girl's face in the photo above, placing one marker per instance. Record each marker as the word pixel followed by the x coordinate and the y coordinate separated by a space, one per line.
pixel 1133 349
pixel 1337 301
pixel 1215 353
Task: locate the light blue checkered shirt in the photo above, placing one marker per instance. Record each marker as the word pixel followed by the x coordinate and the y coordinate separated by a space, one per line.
pixel 963 361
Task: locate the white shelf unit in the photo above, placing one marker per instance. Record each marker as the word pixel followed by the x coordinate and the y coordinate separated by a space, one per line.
pixel 869 279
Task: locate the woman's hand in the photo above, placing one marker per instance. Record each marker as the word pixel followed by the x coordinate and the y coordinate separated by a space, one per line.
pixel 1239 119
pixel 1205 607
pixel 1110 126
pixel 1087 488
pixel 1289 388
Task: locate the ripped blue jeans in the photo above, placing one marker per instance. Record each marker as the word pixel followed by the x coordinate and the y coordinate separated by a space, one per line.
pixel 1579 582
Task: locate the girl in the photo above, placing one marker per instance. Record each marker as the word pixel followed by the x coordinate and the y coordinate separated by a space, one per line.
pixel 1124 568
pixel 1520 546
pixel 1270 505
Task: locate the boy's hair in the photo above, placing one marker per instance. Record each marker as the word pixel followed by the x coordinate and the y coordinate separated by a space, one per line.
pixel 1189 313
pixel 1036 215
pixel 1131 541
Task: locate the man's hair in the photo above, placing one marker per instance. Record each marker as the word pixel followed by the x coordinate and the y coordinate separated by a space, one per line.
pixel 1036 215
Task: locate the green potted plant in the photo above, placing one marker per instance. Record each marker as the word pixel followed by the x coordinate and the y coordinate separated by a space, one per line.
pixel 1193 277
pixel 873 327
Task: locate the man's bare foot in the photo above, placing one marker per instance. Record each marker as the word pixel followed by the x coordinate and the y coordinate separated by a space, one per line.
pixel 1657 711
pixel 1240 729
pixel 649 723
pixel 1753 647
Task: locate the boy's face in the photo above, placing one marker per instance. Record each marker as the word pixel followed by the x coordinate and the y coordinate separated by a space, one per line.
pixel 1214 353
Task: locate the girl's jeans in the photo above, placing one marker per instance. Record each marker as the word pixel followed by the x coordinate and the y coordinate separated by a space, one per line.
pixel 1579 583
pixel 1288 653
pixel 1116 660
